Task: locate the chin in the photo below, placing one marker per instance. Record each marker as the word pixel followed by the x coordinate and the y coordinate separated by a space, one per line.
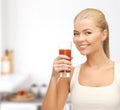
pixel 85 54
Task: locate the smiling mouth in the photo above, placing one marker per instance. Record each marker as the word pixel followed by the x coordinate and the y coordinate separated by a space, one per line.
pixel 84 46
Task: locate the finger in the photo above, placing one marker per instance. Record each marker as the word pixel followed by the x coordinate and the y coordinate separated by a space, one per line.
pixel 60 67
pixel 63 61
pixel 63 57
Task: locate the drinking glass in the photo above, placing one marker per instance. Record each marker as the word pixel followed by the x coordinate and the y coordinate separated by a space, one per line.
pixel 65 48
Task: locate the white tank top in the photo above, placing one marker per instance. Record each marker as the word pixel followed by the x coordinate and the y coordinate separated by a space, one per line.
pixel 95 98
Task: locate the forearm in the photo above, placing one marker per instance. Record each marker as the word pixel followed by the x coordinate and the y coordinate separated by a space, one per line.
pixel 58 87
pixel 50 99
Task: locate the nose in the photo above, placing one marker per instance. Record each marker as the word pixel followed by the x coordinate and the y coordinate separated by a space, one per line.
pixel 81 37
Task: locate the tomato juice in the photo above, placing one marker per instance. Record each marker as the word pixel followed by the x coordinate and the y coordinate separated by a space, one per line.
pixel 65 52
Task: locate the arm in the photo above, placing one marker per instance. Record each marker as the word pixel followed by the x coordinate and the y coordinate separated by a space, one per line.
pixel 58 89
pixel 56 95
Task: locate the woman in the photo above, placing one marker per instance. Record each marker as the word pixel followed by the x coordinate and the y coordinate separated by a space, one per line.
pixel 94 84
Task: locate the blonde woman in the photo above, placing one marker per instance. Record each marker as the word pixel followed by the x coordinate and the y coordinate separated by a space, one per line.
pixel 94 84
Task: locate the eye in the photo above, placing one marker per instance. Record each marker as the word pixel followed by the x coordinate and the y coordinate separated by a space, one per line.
pixel 76 34
pixel 88 33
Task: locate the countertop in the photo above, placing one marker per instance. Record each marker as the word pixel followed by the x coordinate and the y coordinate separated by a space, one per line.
pixel 38 101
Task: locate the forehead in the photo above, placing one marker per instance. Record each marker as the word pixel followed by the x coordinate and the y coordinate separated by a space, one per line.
pixel 84 24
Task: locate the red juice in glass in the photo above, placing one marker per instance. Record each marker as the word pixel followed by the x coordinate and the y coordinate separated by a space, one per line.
pixel 65 49
pixel 65 52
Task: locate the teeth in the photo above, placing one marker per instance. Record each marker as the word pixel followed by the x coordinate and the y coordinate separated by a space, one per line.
pixel 83 46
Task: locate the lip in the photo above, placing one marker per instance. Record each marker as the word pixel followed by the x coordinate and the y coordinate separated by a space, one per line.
pixel 83 46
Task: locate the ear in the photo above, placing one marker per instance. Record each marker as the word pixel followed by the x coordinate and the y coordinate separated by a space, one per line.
pixel 105 34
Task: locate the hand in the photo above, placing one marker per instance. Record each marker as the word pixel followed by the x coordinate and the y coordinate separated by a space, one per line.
pixel 62 62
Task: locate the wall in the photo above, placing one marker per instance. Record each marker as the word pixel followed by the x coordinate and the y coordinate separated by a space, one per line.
pixel 28 29
pixel 0 34
pixel 32 29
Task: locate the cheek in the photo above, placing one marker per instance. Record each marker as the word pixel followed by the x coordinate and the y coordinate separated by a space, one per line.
pixel 74 40
pixel 95 39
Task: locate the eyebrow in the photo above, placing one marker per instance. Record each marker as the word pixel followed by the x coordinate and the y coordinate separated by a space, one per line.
pixel 83 30
pixel 75 31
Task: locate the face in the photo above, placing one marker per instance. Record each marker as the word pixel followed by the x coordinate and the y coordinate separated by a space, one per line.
pixel 88 38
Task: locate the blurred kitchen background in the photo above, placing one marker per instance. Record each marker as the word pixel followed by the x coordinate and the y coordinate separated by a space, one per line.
pixel 31 30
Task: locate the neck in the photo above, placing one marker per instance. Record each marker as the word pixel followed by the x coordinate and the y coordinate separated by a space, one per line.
pixel 97 59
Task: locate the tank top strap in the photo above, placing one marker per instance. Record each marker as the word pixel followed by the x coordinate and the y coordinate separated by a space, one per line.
pixel 74 76
pixel 117 73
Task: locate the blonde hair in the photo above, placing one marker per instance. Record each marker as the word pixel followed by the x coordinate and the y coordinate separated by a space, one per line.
pixel 101 22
